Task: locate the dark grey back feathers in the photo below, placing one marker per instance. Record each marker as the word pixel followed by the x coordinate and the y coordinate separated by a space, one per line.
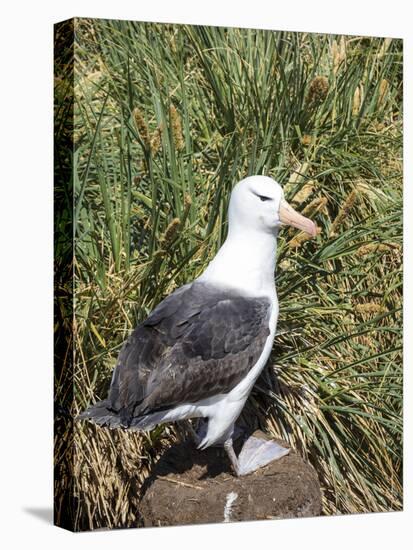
pixel 198 342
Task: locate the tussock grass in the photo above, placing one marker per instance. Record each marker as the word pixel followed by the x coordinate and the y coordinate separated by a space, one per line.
pixel 167 119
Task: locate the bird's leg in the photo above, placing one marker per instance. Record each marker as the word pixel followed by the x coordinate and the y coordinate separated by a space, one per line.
pixel 229 449
pixel 255 454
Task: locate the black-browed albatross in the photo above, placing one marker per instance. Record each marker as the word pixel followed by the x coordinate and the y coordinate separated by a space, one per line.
pixel 200 351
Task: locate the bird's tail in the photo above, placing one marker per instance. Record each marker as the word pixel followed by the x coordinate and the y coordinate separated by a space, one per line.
pixel 100 413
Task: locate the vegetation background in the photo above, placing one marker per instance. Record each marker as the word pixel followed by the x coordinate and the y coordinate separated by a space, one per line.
pixel 167 118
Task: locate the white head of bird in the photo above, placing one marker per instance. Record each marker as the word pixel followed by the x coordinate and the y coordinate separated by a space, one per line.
pixel 257 211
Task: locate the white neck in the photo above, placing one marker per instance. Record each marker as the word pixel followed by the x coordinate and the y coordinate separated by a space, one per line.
pixel 245 261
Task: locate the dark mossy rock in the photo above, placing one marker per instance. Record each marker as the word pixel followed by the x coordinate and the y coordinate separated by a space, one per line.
pixel 189 486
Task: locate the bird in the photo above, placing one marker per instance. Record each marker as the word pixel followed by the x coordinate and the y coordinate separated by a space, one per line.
pixel 200 351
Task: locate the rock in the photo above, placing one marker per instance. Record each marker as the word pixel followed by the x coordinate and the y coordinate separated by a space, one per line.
pixel 189 486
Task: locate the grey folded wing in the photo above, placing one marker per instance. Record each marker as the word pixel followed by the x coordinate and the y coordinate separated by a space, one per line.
pixel 198 342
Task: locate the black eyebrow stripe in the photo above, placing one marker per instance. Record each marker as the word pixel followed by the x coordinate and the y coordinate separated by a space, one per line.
pixel 261 196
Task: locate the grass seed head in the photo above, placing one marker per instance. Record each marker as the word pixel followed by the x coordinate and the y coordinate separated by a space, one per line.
pixel 357 99
pixel 187 208
pixel 187 204
pixel 176 128
pixel 384 47
pixel 171 232
pixel 369 308
pixel 141 125
pixel 307 140
pixel 383 89
pixel 343 212
pixel 338 53
pixel 318 90
pixel 316 205
pixel 301 238
pixel 285 264
pixel 303 194
pixel 156 140
pixel 372 248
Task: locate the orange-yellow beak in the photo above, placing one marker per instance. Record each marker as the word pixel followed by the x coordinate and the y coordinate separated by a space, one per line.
pixel 290 217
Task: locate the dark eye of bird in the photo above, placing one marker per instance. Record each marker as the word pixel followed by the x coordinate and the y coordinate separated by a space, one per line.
pixel 262 198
